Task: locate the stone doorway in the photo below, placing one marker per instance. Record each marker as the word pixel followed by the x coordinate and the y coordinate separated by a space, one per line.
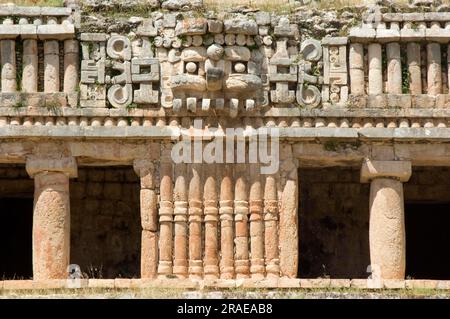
pixel 105 222
pixel 16 223
pixel 333 223
pixel 427 240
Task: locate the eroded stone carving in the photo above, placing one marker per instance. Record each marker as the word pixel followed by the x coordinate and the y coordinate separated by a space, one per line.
pixel 115 68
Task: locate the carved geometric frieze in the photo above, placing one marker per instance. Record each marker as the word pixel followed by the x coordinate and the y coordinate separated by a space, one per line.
pixel 116 70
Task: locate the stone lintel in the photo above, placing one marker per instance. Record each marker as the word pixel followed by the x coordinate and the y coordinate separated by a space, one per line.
pixel 67 165
pixel 371 169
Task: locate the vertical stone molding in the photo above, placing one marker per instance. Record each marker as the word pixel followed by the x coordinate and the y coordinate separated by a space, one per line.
pixel 180 196
pixel 165 213
pixel 226 224
pixel 356 58
pixel 434 76
pixel 71 67
pixel 257 268
pixel 394 68
pixel 289 226
pixel 149 218
pixel 375 69
pixel 271 227
pixel 51 216
pixel 241 262
pixel 414 68
pixel 51 66
pixel 386 222
pixel 30 66
pixel 195 222
pixel 211 264
pixel 8 59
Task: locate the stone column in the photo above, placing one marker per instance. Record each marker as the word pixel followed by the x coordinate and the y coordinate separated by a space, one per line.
pixel 180 197
pixel 71 67
pixel 434 76
pixel 394 68
pixel 211 222
pixel 149 218
pixel 257 268
pixel 8 59
pixel 271 227
pixel 289 223
pixel 414 68
pixel 51 66
pixel 165 215
pixel 226 224
pixel 375 69
pixel 51 215
pixel 386 223
pixel 241 260
pixel 30 66
pixel 356 58
pixel 195 223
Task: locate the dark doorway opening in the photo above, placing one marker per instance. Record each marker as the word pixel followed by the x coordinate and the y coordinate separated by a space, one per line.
pixel 106 222
pixel 427 240
pixel 16 226
pixel 333 223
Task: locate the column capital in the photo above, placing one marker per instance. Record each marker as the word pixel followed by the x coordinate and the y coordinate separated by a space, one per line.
pixel 66 165
pixel 400 170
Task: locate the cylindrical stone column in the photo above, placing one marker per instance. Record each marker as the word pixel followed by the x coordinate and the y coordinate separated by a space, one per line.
pixel 394 68
pixel 30 66
pixel 8 59
pixel 195 222
pixel 375 69
pixel 51 66
pixel 387 228
pixel 271 227
pixel 71 60
pixel 180 268
pixel 165 215
pixel 434 76
pixel 226 224
pixel 257 268
pixel 51 226
pixel 211 222
pixel 414 68
pixel 241 260
pixel 356 58
pixel 149 219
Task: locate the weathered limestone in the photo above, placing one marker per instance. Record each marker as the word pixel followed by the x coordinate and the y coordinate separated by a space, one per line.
pixel 356 58
pixel 149 218
pixel 394 68
pixel 434 76
pixel 226 224
pixel 30 66
pixel 195 222
pixel 51 216
pixel 71 68
pixel 386 223
pixel 271 227
pixel 180 197
pixel 210 199
pixel 51 66
pixel 241 261
pixel 257 268
pixel 165 214
pixel 375 69
pixel 8 59
pixel 414 68
pixel 288 227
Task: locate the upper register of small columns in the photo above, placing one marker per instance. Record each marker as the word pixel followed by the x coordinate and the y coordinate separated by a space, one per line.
pixel 31 25
pixel 384 37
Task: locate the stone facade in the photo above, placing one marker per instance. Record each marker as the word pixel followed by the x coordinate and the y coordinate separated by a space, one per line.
pixel 375 99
